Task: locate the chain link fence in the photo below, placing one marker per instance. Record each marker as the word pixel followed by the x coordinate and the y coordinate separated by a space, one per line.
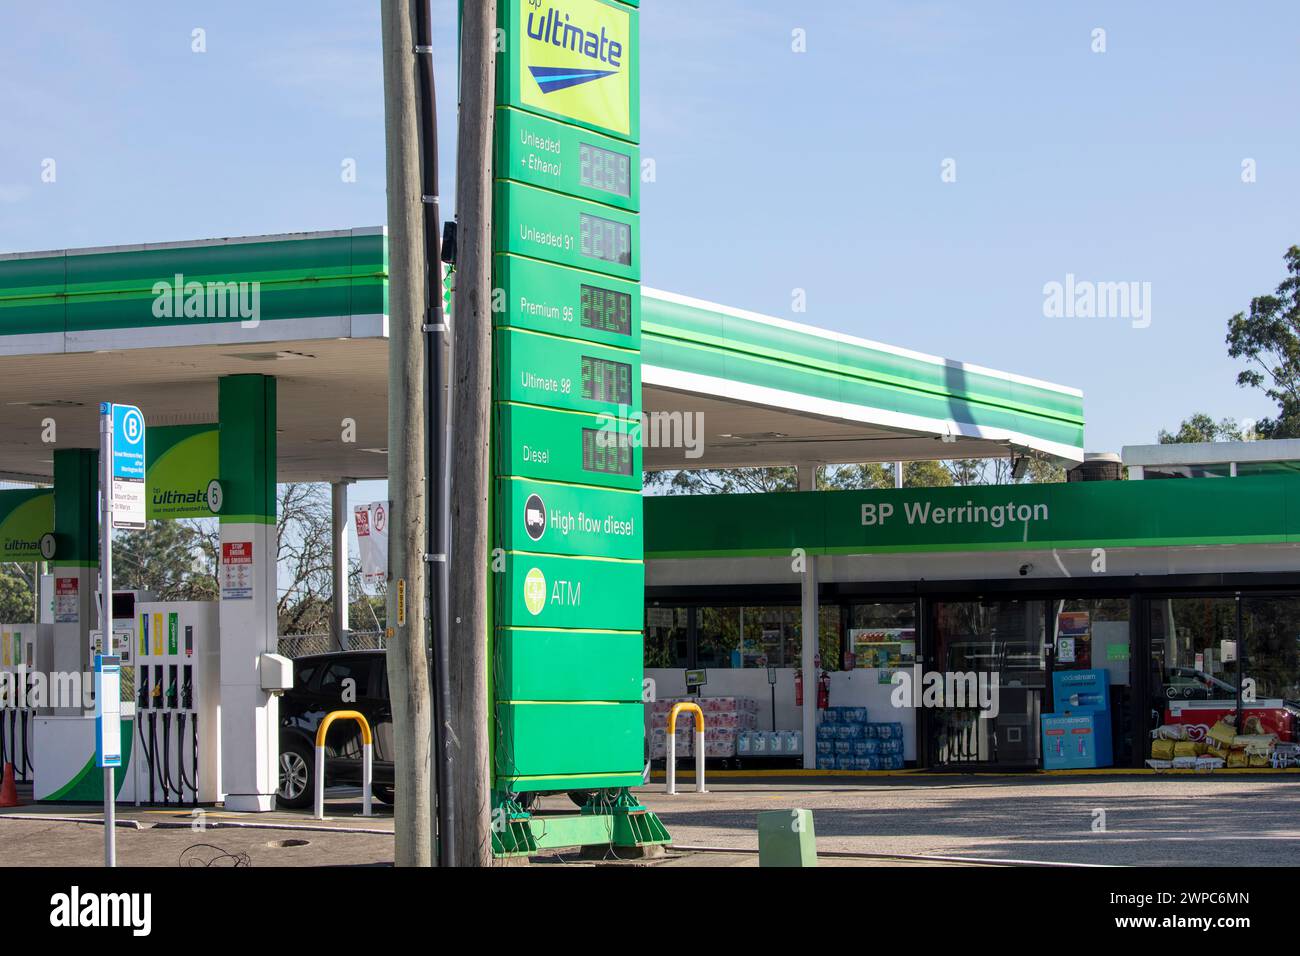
pixel 300 645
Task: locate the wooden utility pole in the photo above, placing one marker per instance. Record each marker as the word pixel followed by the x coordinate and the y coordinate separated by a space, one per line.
pixel 470 462
pixel 408 668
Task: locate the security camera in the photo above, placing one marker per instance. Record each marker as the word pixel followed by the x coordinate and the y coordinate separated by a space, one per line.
pixel 1025 569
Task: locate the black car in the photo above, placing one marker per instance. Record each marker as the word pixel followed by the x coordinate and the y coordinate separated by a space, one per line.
pixel 344 680
pixel 320 685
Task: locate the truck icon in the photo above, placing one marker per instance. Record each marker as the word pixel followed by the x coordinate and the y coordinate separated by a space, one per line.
pixel 535 517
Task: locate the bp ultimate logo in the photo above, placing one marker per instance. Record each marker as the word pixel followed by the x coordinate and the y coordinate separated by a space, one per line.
pixel 576 60
pixel 563 33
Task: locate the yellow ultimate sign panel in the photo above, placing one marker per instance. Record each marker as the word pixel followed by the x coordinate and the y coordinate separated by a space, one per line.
pixel 575 59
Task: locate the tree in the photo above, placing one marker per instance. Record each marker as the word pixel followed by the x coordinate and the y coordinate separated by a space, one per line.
pixel 1202 428
pixel 304 539
pixel 168 558
pixel 723 481
pixel 17 603
pixel 916 474
pixel 1269 339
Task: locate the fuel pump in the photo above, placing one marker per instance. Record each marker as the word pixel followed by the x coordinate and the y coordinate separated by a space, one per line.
pixel 178 688
pixel 18 662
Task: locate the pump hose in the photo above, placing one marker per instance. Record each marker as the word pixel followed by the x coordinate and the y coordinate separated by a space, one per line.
pixel 145 753
pixel 4 746
pixel 167 756
pixel 194 738
pixel 167 729
pixel 153 755
pixel 27 751
pixel 180 756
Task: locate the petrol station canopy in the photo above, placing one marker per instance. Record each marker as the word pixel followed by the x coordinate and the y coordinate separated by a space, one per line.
pixel 81 326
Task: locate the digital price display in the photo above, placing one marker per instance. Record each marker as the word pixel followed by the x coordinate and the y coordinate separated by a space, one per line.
pixel 604 169
pixel 605 239
pixel 606 310
pixel 606 381
pixel 605 452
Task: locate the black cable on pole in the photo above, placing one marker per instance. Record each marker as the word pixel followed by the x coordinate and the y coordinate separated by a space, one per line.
pixel 435 438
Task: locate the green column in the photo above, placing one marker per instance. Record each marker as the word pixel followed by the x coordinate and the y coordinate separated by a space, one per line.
pixel 249 715
pixel 246 405
pixel 76 560
pixel 76 521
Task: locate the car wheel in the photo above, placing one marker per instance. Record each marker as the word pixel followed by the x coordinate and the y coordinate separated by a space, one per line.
pixel 296 780
pixel 383 793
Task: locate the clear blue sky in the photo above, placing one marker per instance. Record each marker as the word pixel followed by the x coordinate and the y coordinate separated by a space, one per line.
pixel 776 170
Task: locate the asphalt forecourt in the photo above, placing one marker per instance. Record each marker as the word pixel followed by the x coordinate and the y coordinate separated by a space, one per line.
pixel 1149 820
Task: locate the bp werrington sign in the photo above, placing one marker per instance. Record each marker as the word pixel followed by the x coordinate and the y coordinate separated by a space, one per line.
pixel 1202 511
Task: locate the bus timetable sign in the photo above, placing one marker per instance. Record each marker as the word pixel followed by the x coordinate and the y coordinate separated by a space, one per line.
pixel 128 497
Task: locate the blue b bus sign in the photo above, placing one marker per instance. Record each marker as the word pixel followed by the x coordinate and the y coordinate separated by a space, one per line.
pixel 128 494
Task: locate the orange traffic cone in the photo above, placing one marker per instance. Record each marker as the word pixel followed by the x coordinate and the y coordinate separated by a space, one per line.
pixel 9 792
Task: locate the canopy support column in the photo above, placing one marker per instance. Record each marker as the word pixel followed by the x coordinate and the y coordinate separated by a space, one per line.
pixel 811 637
pixel 339 564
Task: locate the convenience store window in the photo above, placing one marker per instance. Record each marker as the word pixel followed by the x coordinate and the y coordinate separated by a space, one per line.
pixel 667 636
pixel 772 636
pixel 882 635
pixel 1271 634
pixel 830 636
pixel 1193 650
pixel 1094 634
pixel 717 636
pixel 1206 651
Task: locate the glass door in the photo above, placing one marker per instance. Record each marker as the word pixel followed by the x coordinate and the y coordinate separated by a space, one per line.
pixel 990 657
pixel 1096 634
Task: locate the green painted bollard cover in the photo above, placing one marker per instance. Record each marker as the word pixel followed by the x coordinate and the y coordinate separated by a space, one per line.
pixel 786 838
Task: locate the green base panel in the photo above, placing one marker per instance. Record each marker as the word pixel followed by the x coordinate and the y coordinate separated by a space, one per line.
pixel 569 665
pixel 622 822
pixel 557 740
pixel 560 784
pixel 635 828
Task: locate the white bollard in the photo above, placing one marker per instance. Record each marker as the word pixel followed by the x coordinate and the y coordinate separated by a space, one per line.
pixel 672 763
pixel 697 715
pixel 320 783
pixel 365 779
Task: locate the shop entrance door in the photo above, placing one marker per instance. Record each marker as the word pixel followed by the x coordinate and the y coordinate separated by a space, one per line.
pixel 999 648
